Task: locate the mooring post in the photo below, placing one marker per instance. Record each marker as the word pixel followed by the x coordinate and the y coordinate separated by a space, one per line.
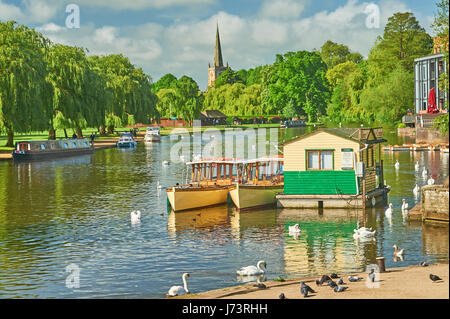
pixel 380 262
pixel 364 199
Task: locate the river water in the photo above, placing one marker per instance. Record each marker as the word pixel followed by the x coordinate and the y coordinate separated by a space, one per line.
pixel 61 215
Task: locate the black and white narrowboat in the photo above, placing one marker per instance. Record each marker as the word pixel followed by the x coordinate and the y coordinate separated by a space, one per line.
pixel 37 150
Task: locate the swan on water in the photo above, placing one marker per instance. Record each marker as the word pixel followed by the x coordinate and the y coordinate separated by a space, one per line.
pixel 179 290
pixel 252 270
pixel 417 166
pixel 404 205
pixel 295 229
pixel 398 252
pixel 388 212
pixel 424 172
pixel 165 163
pixel 416 190
pixel 135 216
pixel 430 181
pixel 397 165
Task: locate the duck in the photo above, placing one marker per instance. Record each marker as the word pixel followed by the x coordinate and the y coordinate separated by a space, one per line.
pixel 295 229
pixel 416 190
pixel 404 205
pixel 398 252
pixel 424 173
pixel 397 165
pixel 252 270
pixel 417 166
pixel 430 181
pixel 180 290
pixel 135 216
pixel 388 212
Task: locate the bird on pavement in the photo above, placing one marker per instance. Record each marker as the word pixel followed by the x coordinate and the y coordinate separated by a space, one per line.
pixel 434 277
pixel 334 276
pixel 354 278
pixel 372 275
pixel 423 264
pixel 331 283
pixel 305 289
pixel 282 296
pixel 324 278
pixel 339 288
pixel 341 281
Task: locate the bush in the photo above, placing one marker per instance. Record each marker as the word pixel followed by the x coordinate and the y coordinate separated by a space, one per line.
pixel 401 125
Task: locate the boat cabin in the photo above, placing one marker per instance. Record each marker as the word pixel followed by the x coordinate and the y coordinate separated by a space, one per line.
pixel 325 161
pixel 28 150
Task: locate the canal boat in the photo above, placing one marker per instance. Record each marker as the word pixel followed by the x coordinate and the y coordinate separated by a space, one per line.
pixel 261 181
pixel 211 180
pixel 152 135
pixel 126 140
pixel 50 149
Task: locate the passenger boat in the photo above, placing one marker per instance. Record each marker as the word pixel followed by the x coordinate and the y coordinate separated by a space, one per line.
pixel 126 140
pixel 36 150
pixel 152 135
pixel 261 181
pixel 209 186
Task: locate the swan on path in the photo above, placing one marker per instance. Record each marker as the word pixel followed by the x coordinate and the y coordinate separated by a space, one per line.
pixel 417 166
pixel 397 165
pixel 135 216
pixel 295 229
pixel 398 252
pixel 388 212
pixel 179 290
pixel 252 270
pixel 404 205
pixel 430 181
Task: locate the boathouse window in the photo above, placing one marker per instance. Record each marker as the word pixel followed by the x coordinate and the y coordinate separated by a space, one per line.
pixel 42 147
pixel 320 160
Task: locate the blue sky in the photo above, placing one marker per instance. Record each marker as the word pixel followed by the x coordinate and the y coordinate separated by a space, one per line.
pixel 177 36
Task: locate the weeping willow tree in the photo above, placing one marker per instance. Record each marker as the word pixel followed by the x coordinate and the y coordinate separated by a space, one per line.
pixel 130 88
pixel 23 89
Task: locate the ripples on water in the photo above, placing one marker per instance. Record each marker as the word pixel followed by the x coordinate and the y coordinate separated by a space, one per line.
pixel 76 210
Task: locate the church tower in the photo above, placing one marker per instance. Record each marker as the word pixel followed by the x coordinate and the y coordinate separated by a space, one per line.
pixel 218 67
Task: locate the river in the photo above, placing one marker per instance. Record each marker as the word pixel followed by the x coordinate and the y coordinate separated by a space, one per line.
pixel 76 212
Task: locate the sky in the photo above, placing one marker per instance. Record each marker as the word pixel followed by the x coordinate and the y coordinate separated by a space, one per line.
pixel 178 36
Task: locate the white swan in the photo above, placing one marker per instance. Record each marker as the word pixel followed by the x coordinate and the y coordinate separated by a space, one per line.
pixel 404 205
pixel 397 165
pixel 424 173
pixel 417 166
pixel 165 163
pixel 363 234
pixel 430 181
pixel 252 270
pixel 362 229
pixel 135 216
pixel 416 190
pixel 182 158
pixel 388 212
pixel 398 252
pixel 295 229
pixel 179 290
pixel 159 186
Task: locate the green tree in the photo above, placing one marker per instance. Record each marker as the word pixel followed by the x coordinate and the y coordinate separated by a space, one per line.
pixel 333 54
pixel 227 77
pixel 23 89
pixel 166 82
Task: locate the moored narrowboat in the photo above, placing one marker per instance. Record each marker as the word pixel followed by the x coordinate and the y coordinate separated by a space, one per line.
pixel 37 150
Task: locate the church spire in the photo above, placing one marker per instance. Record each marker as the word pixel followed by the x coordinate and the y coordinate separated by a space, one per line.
pixel 218 50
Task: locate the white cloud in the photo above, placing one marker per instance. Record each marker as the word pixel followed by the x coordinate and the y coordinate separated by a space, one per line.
pixel 283 9
pixel 141 4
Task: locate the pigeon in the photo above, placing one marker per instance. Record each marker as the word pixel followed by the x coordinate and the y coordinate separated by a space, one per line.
pixel 334 276
pixel 260 285
pixel 423 264
pixel 354 278
pixel 304 289
pixel 339 288
pixel 322 279
pixel 341 281
pixel 282 296
pixel 372 275
pixel 331 283
pixel 434 277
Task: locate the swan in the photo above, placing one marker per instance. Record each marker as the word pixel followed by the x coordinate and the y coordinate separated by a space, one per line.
pixel 295 229
pixel 424 173
pixel 398 252
pixel 179 290
pixel 363 234
pixel 388 212
pixel 252 270
pixel 416 190
pixel 182 158
pixel 362 229
pixel 135 216
pixel 374 201
pixel 417 166
pixel 430 181
pixel 397 165
pixel 165 163
pixel 404 205
pixel 159 186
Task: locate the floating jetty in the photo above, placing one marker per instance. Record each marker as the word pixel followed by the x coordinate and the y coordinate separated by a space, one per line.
pixel 416 148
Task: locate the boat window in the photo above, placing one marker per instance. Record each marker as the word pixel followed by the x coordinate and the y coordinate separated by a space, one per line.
pixel 313 160
pixel 74 144
pixel 66 145
pixel 320 160
pixel 42 147
pixel 85 144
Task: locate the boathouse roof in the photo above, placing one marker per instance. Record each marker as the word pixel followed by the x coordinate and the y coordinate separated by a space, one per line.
pixel 361 135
